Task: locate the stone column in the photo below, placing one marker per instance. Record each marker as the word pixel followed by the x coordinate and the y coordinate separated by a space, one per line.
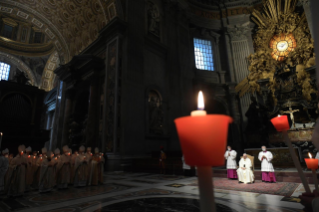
pixel 67 114
pixel 306 6
pixel 238 52
pixel 92 123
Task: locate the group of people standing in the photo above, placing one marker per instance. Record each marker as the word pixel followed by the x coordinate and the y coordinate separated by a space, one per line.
pixel 244 173
pixel 31 170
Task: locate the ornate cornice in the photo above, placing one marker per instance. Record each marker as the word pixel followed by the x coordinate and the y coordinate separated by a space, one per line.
pixel 25 49
pixel 238 32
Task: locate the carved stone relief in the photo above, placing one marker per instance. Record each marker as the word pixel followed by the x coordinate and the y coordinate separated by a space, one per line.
pixel 153 18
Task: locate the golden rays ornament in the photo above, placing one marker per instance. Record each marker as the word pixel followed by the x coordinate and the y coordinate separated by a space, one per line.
pixel 283 38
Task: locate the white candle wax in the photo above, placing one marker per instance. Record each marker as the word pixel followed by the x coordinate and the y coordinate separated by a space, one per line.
pixel 198 113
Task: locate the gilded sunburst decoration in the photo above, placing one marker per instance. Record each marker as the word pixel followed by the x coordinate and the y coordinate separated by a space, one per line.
pixel 282 45
pixel 283 38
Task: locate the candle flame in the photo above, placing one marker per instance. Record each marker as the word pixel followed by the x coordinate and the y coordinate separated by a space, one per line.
pixel 279 115
pixel 1 134
pixel 200 101
pixel 309 155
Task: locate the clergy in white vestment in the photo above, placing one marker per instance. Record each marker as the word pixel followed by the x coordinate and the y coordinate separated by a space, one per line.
pixel 317 156
pixel 17 179
pixel 97 168
pixel 57 156
pixel 63 169
pixel 244 172
pixel 4 165
pixel 230 156
pixel 186 168
pixel 8 174
pixel 267 169
pixel 47 175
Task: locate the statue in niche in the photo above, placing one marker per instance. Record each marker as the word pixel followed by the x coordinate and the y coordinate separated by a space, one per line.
pixel 156 115
pixel 153 17
pixel 21 78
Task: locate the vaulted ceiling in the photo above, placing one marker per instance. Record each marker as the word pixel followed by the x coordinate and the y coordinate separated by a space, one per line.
pixel 71 25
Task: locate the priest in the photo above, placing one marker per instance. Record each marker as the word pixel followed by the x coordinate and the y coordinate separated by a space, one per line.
pixel 17 180
pixel 81 169
pixel 230 156
pixel 38 165
pixel 63 169
pixel 244 172
pixel 29 169
pixel 47 175
pixel 267 169
pixel 73 157
pixel 4 164
pixel 8 174
pixel 97 168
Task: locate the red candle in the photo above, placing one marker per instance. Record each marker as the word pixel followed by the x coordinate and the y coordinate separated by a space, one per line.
pixel 312 163
pixel 280 123
pixel 203 137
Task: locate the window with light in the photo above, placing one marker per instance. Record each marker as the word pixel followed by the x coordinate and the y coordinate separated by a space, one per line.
pixel 4 71
pixel 203 54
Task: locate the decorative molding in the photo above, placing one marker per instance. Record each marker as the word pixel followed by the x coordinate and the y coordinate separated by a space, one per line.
pixel 22 15
pixel 238 32
pixel 6 9
pixel 49 33
pixel 37 23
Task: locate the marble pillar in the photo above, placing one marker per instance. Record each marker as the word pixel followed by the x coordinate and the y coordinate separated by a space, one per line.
pixel 67 113
pixel 306 6
pixel 92 123
pixel 238 51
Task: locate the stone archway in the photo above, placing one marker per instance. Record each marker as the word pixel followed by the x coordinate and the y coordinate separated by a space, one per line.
pixel 21 66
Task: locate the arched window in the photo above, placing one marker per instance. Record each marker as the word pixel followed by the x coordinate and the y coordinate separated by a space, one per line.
pixel 4 71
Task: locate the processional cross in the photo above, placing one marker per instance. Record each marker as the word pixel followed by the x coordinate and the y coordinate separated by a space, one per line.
pixel 291 112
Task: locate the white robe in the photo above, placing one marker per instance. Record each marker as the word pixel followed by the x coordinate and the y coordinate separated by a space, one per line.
pixel 317 156
pixel 245 176
pixel 266 164
pixel 185 166
pixel 231 160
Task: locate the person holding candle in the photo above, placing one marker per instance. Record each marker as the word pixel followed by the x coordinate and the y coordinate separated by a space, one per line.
pixel 17 180
pixel 230 156
pixel 267 169
pixel 29 170
pixel 4 165
pixel 64 169
pixel 47 175
pixel 97 168
pixel 37 172
pixel 73 157
pixel 8 174
pixel 244 172
pixel 34 159
pixel 57 155
pixel 81 169
pixel 88 157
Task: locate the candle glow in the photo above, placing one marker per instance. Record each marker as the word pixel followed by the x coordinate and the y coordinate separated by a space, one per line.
pixel 200 101
pixel 312 163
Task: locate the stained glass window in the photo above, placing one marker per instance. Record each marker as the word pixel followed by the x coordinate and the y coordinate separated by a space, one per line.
pixel 4 71
pixel 203 54
pixel 282 45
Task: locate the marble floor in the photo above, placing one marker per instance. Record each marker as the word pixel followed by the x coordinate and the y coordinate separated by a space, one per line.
pixel 135 192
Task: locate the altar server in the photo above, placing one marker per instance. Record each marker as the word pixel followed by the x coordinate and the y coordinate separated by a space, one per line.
pixel 63 169
pixel 29 169
pixel 244 172
pixel 267 169
pixel 81 169
pixel 230 156
pixel 17 179
pixel 4 165
pixel 47 175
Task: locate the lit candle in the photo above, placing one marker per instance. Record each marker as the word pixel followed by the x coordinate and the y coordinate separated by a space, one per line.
pixel 200 106
pixel 1 138
pixel 312 163
pixel 203 139
pixel 282 125
pixel 28 156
